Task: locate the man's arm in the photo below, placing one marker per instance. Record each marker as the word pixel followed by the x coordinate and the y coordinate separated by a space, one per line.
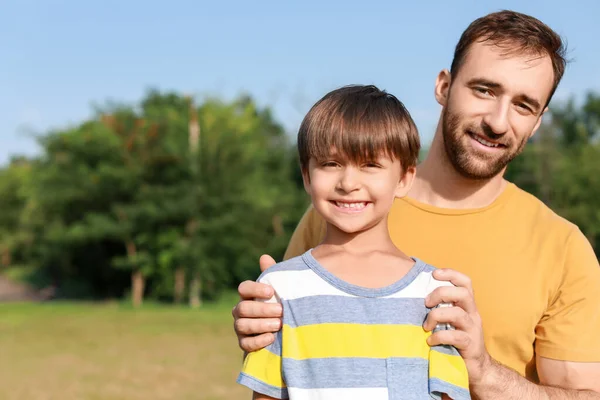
pixel 259 396
pixel 254 321
pixel 488 379
pixel 567 381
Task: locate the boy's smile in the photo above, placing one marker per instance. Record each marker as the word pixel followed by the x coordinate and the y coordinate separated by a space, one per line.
pixel 350 207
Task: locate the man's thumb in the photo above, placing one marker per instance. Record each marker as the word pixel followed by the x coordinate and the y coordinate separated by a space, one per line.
pixel 266 261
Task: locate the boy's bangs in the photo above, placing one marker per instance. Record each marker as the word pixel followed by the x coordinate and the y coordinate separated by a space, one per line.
pixel 355 140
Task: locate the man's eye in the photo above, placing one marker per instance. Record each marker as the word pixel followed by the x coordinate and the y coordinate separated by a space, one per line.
pixel 524 107
pixel 482 91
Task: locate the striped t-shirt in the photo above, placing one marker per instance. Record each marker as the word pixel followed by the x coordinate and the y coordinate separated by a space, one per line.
pixel 342 341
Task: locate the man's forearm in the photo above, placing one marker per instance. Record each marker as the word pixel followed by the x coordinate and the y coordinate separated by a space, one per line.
pixel 500 382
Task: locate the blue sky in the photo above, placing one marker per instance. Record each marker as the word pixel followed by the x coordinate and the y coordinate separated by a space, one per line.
pixel 61 57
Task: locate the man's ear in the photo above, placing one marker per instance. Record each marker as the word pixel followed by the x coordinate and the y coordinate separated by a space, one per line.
pixel 442 86
pixel 306 180
pixel 406 182
pixel 538 123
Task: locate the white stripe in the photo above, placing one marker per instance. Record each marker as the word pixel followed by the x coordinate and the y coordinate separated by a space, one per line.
pixel 339 394
pixel 416 289
pixel 292 285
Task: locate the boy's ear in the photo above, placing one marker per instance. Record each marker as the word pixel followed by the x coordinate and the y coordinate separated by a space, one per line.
pixel 306 180
pixel 405 182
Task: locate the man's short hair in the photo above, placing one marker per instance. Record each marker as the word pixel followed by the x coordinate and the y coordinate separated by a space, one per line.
pixel 359 123
pixel 517 34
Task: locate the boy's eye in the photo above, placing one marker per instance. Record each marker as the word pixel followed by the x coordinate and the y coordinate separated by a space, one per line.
pixel 329 164
pixel 372 165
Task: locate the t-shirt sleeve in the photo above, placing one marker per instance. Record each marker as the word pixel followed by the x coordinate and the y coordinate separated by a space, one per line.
pixel 262 370
pixel 308 234
pixel 447 373
pixel 447 370
pixel 569 328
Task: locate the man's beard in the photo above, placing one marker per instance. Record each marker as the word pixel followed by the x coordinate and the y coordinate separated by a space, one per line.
pixel 468 162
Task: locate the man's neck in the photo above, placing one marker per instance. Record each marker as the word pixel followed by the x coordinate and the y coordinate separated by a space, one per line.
pixel 437 183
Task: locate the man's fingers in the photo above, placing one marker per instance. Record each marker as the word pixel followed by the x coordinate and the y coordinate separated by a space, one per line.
pixel 457 279
pixel 249 326
pixel 265 262
pixel 257 309
pixel 253 343
pixel 458 339
pixel 249 290
pixel 455 316
pixel 458 296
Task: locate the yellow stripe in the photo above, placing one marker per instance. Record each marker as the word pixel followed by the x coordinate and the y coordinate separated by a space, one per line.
pixel 264 366
pixel 354 340
pixel 448 368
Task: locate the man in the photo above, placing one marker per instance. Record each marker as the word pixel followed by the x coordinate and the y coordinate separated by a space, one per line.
pixel 527 326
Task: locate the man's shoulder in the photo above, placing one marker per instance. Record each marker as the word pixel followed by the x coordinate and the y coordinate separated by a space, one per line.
pixel 540 213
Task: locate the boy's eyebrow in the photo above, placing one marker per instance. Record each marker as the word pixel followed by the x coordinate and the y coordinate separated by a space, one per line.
pixel 535 104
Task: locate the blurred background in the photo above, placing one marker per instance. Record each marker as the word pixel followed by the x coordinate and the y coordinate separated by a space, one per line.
pixel 147 160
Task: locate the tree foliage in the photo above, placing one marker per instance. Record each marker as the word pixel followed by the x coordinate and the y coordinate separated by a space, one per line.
pixel 174 200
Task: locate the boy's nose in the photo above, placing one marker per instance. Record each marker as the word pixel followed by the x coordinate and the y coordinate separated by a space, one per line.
pixel 349 180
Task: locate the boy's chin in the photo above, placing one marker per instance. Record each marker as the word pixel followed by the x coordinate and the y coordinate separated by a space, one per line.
pixel 350 229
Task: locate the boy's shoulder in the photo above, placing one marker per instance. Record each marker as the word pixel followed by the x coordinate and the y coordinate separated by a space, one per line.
pixel 431 283
pixel 291 265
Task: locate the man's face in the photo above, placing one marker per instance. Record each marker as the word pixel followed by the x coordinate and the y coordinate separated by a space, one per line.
pixel 493 106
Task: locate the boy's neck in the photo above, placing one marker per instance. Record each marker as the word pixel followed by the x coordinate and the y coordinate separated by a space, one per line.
pixel 376 238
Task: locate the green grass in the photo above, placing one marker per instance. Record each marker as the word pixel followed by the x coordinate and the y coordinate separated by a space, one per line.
pixel 101 351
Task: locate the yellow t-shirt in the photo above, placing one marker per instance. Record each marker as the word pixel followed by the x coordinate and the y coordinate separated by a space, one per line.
pixel 535 276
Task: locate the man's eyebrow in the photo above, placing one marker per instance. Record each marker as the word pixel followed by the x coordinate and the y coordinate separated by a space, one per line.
pixel 535 104
pixel 484 82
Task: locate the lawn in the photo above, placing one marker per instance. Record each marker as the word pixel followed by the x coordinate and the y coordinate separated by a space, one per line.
pixel 101 351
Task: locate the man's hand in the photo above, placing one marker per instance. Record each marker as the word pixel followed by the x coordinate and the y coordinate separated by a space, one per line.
pixel 254 321
pixel 467 336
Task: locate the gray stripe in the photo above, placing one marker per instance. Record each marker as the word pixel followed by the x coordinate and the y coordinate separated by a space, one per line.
pixel 293 264
pixel 359 310
pixel 427 267
pixel 446 349
pixel 275 347
pixel 437 386
pixel 261 387
pixel 320 373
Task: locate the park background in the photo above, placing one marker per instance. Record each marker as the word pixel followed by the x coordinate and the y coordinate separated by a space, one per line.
pixel 147 159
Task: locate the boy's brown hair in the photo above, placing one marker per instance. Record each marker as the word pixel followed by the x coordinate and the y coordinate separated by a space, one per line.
pixel 517 34
pixel 359 123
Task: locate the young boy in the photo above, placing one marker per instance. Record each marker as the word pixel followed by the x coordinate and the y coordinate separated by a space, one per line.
pixel 353 307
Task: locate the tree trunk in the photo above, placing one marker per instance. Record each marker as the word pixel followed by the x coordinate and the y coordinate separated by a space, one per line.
pixel 196 292
pixel 137 279
pixel 277 225
pixel 137 288
pixel 6 258
pixel 179 288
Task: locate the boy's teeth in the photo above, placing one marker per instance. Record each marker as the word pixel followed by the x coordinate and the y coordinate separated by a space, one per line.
pixel 485 142
pixel 350 205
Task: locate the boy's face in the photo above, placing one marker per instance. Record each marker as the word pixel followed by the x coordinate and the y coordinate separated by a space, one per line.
pixel 491 108
pixel 354 198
